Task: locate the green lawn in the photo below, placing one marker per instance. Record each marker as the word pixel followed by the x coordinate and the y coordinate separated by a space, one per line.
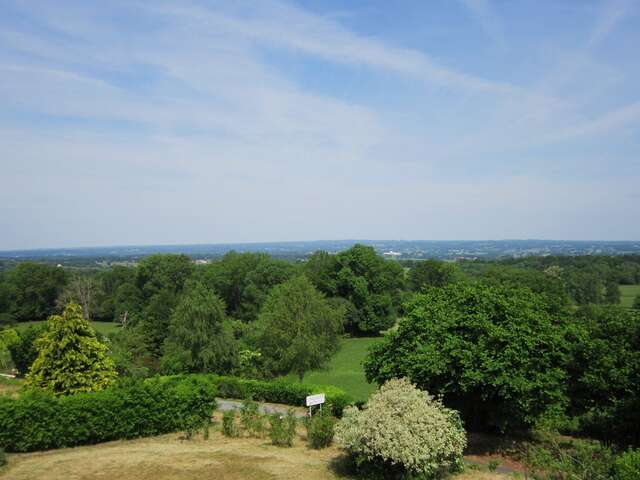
pixel 345 369
pixel 102 327
pixel 629 293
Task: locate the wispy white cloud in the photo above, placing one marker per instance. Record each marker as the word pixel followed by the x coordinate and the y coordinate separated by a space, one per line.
pixel 613 12
pixel 484 13
pixel 183 118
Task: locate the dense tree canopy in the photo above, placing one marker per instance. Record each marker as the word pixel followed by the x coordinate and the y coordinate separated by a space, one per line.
pixel 298 329
pixel 359 275
pixel 160 272
pixel 243 280
pixel 24 351
pixel 35 288
pixel 604 371
pixel 431 273
pixel 494 352
pixel 70 357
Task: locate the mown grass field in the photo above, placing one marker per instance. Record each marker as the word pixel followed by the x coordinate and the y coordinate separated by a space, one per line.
pixel 345 369
pixel 102 327
pixel 628 294
pixel 170 457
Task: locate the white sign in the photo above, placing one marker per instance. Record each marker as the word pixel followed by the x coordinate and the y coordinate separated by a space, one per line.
pixel 315 399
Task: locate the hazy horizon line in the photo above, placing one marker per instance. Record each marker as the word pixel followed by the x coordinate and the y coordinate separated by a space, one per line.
pixel 272 242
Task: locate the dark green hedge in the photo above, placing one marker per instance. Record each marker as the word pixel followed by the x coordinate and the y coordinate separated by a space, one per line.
pixel 279 391
pixel 38 421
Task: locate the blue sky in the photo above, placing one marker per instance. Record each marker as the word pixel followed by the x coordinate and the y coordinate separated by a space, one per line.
pixel 127 122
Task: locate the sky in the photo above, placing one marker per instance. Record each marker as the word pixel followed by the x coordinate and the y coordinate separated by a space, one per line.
pixel 154 122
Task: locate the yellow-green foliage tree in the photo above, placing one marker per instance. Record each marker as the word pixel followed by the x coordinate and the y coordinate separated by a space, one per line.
pixel 70 357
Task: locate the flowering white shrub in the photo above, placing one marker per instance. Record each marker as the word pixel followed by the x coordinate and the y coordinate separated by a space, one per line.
pixel 403 431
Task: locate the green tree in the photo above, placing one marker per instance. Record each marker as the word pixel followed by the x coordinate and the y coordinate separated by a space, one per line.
pixel 24 351
pixel 36 287
pixel 298 329
pixel 243 280
pixel 70 357
pixel 159 272
pixel 156 319
pixel 200 339
pixel 611 292
pixel 431 273
pixel 372 284
pixel 495 353
pixel 604 371
pixel 585 287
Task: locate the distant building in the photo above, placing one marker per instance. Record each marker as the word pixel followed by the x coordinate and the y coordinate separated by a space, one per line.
pixel 391 254
pixel 201 261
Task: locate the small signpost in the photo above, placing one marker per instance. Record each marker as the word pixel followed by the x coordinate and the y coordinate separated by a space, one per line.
pixel 317 399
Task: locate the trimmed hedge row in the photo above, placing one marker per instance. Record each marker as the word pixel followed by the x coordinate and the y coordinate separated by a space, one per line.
pixel 279 391
pixel 39 421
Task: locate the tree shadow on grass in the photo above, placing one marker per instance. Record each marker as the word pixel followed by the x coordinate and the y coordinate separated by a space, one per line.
pixel 343 466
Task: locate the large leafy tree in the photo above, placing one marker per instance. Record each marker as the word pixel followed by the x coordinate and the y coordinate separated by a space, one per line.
pixel 23 350
pixel 495 353
pixel 369 282
pixel 200 339
pixel 70 357
pixel 35 288
pixel 243 280
pixel 604 371
pixel 298 329
pixel 431 273
pixel 163 272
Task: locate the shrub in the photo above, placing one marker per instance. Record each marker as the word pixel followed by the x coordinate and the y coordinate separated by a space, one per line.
pixel 553 458
pixel 283 428
pixel 251 418
pixel 628 465
pixel 38 420
pixel 3 457
pixel 320 430
pixel 403 432
pixel 229 427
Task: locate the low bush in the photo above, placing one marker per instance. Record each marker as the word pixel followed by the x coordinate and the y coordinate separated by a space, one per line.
pixel 252 420
pixel 402 432
pixel 283 428
pixel 3 457
pixel 552 457
pixel 229 427
pixel 320 430
pixel 39 421
pixel 628 465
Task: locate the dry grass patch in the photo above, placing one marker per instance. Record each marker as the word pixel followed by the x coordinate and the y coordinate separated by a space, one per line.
pixel 170 457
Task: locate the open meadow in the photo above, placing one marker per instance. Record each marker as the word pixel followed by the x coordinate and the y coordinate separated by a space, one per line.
pixel 628 294
pixel 345 370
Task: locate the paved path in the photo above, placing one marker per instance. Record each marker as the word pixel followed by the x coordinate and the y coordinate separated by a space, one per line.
pixel 268 408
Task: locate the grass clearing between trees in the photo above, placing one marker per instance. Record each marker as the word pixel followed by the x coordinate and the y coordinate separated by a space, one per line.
pixel 104 328
pixel 628 294
pixel 171 457
pixel 345 369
